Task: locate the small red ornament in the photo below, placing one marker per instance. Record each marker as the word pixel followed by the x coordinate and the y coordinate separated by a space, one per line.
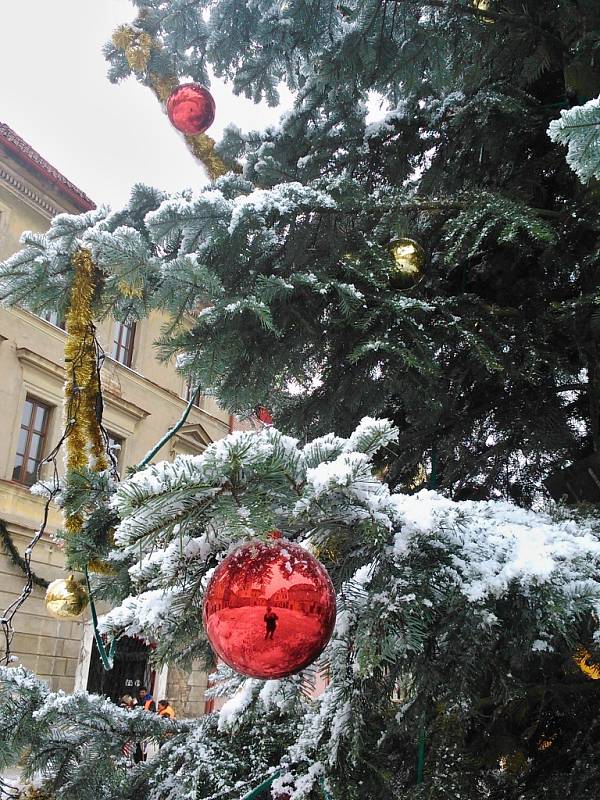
pixel 269 609
pixel 264 415
pixel 191 108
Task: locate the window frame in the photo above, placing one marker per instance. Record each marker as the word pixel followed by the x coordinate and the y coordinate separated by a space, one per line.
pixel 31 431
pixel 120 440
pixel 188 394
pixel 60 322
pixel 126 347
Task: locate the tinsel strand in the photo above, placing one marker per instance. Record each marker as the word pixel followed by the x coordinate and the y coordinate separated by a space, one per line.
pixel 85 444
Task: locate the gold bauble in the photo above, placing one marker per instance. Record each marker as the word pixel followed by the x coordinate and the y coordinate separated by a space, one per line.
pixel 66 598
pixel 546 744
pixel 483 5
pixel 409 259
pixel 419 479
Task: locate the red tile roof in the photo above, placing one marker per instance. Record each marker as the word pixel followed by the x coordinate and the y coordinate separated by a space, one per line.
pixel 33 159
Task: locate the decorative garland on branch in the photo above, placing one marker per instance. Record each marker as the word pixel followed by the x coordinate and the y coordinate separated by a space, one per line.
pixel 16 558
pixel 85 442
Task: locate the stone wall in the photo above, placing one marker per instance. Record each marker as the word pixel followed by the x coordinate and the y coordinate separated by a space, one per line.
pixel 45 645
pixel 186 691
pixel 141 403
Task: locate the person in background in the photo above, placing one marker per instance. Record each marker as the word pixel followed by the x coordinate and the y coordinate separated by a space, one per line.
pixel 165 710
pixel 145 699
pixel 128 748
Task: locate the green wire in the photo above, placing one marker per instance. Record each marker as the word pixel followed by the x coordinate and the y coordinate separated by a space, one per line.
pixel 261 787
pixel 107 658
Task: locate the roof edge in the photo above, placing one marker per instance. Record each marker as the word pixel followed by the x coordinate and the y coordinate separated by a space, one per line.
pixel 19 147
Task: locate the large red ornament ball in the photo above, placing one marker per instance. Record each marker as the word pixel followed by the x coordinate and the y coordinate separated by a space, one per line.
pixel 269 609
pixel 191 108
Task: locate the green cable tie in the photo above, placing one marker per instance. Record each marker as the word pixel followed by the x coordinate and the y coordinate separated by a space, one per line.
pixel 107 658
pixel 171 432
pixel 261 787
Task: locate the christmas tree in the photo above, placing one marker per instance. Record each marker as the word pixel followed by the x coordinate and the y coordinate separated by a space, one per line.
pixel 424 285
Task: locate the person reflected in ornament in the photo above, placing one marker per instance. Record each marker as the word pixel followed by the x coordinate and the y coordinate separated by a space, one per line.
pixel 270 619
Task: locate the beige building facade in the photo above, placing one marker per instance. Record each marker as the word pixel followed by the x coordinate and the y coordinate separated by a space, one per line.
pixel 143 398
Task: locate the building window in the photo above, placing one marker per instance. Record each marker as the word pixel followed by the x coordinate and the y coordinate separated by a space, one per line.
pixel 53 318
pixel 123 343
pixel 32 437
pixel 189 388
pixel 115 445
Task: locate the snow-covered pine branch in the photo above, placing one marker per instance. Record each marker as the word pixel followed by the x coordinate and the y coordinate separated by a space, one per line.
pixel 579 129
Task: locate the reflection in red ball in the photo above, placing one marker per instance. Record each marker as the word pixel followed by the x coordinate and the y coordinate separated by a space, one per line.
pixel 191 108
pixel 269 609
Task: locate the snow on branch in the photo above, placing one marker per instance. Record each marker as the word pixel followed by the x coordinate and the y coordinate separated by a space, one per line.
pixel 579 129
pixel 188 514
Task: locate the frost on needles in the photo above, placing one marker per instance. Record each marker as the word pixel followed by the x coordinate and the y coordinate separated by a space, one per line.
pixel 459 613
pixel 427 587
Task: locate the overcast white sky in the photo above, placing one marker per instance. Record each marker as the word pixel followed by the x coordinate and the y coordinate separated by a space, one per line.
pixel 55 94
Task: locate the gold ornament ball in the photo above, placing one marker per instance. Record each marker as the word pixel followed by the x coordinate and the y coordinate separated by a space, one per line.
pixel 66 598
pixel 409 259
pixel 483 5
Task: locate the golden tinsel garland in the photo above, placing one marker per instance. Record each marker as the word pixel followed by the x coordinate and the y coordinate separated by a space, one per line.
pixel 162 86
pixel 32 793
pixel 129 290
pixel 123 37
pixel 583 659
pixel 138 54
pixel 137 46
pixel 203 147
pixel 99 567
pixel 82 387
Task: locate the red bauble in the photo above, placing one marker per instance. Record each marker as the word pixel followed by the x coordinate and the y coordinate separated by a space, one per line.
pixel 269 609
pixel 264 415
pixel 191 108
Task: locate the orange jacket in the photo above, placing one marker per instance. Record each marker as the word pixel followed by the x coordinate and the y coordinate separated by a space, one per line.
pixel 148 705
pixel 166 712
